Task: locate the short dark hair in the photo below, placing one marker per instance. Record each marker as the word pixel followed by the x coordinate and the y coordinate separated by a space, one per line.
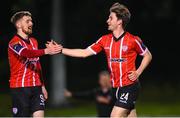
pixel 121 12
pixel 19 15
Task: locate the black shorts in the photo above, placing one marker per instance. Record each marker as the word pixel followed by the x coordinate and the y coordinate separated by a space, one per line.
pixel 126 96
pixel 27 100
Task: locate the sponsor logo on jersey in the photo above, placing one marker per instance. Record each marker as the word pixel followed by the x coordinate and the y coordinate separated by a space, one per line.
pixel 117 60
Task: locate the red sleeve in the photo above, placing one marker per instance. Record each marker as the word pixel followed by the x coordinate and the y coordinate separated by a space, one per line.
pixel 32 53
pixel 139 46
pixel 97 47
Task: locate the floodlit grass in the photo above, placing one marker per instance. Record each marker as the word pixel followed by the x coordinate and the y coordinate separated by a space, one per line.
pixel 87 108
pixel 149 109
pixel 5 105
pixel 160 109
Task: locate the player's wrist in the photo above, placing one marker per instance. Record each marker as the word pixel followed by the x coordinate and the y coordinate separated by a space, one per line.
pixel 138 72
pixel 61 51
pixel 46 51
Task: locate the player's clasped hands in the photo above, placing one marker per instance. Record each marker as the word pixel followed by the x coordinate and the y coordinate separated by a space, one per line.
pixel 53 48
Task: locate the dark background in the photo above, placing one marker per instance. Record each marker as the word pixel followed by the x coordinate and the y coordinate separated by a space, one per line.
pixel 84 21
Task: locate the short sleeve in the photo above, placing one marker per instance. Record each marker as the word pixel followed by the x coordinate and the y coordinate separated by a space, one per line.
pixel 16 47
pixel 97 46
pixel 140 47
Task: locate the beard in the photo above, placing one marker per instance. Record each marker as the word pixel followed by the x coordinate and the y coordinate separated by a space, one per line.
pixel 27 31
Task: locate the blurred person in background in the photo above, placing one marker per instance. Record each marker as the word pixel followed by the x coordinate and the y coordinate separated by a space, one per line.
pixel 121 49
pixel 26 82
pixel 102 95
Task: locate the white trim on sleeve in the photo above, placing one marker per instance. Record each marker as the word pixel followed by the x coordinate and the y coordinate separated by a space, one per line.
pixel 89 48
pixel 16 51
pixel 144 52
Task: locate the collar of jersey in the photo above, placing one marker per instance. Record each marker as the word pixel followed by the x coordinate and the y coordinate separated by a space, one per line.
pixel 117 39
pixel 27 41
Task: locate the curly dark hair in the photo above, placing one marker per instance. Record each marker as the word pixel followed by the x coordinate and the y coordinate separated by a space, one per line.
pixel 121 12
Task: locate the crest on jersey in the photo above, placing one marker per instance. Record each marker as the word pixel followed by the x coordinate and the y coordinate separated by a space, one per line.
pixel 124 48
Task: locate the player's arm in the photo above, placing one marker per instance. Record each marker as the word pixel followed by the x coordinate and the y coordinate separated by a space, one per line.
pixel 102 99
pixel 83 53
pixel 37 53
pixel 145 62
pixel 24 52
pixel 45 93
pixel 147 57
pixel 80 95
pixel 142 50
pixel 32 53
pixel 77 52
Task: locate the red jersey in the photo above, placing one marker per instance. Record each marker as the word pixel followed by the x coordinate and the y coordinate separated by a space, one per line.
pixel 24 72
pixel 121 56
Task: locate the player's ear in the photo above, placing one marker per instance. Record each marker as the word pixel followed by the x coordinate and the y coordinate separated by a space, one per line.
pixel 120 21
pixel 18 24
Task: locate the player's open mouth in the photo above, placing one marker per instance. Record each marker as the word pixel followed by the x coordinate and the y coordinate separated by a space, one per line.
pixel 30 27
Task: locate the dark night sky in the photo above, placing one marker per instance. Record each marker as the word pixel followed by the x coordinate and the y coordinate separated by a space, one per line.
pixel 156 22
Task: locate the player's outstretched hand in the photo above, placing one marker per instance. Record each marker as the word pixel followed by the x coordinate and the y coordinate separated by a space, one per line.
pixel 53 48
pixel 52 43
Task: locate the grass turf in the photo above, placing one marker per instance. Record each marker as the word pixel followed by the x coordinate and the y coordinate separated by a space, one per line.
pixel 145 108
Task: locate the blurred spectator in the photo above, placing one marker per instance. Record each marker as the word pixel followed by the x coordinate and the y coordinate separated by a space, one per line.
pixel 102 95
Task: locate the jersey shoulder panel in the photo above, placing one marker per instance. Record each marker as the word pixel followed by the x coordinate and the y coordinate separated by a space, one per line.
pixel 107 36
pixel 14 40
pixel 15 45
pixel 134 37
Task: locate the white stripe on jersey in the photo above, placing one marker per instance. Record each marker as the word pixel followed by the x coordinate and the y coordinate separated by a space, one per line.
pixel 21 66
pixel 24 75
pixel 25 67
pixel 110 63
pixel 143 51
pixel 34 80
pixel 32 44
pixel 120 64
